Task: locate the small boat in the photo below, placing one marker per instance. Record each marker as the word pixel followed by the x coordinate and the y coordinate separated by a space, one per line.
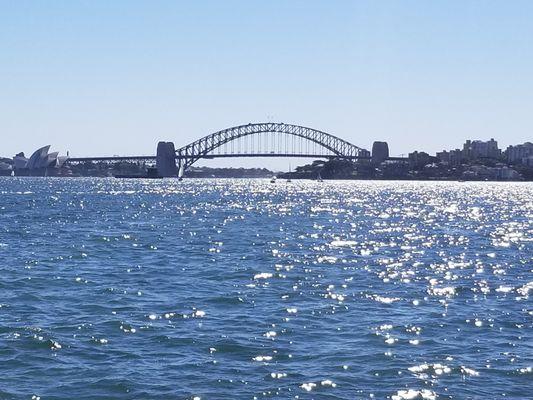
pixel 180 173
pixel 289 178
pixel 319 178
pixel 273 180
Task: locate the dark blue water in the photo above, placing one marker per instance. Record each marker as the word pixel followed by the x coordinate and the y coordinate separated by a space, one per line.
pixel 242 289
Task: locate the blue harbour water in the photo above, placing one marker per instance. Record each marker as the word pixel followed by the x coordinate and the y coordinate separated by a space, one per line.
pixel 243 289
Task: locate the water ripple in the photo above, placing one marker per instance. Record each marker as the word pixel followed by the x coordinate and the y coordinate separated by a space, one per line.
pixel 243 289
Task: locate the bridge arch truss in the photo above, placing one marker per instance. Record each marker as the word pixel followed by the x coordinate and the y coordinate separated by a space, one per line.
pixel 331 146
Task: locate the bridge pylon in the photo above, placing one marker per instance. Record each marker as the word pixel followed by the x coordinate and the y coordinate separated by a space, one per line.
pixel 166 160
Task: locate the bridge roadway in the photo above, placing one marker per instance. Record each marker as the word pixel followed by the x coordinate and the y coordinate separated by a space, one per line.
pixel 76 160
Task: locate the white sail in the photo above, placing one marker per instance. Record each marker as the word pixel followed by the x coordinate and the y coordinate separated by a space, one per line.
pixel 180 172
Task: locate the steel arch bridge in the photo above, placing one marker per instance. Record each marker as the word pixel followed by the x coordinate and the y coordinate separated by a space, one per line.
pixel 268 139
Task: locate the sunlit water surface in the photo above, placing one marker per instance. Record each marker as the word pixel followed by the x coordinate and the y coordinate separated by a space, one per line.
pixel 243 289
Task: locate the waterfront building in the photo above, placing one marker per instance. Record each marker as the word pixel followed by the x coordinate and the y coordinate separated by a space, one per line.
pixel 418 159
pixel 364 153
pixel 6 168
pixel 506 173
pixel 40 163
pixel 394 169
pixel 475 149
pixel 20 161
pixel 482 172
pixel 380 152
pixel 519 153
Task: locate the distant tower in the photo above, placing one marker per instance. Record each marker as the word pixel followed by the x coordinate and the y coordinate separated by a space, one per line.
pixel 380 152
pixel 166 159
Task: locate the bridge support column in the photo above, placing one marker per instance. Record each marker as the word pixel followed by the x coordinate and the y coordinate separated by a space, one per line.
pixel 166 160
pixel 181 168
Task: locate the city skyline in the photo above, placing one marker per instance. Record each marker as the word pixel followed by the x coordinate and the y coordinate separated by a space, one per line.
pixel 103 79
pixel 477 160
pixel 498 151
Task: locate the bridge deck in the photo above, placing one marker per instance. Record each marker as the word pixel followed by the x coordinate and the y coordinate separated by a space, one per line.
pixel 211 156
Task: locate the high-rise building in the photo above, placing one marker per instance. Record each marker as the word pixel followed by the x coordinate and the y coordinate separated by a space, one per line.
pixel 475 149
pixel 452 157
pixel 517 154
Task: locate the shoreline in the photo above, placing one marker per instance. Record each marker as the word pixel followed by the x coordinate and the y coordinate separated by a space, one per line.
pixel 282 180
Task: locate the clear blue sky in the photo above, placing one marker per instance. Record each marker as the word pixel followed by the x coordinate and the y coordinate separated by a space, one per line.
pixel 114 77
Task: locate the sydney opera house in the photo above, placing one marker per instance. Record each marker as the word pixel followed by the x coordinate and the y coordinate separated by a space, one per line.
pixel 41 163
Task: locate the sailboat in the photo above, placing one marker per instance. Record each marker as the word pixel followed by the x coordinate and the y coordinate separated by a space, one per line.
pixel 289 178
pixel 273 179
pixel 180 173
pixel 319 178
